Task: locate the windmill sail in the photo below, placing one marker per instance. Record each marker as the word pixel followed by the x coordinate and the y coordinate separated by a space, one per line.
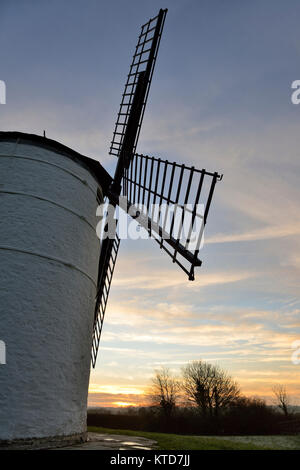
pixel 104 283
pixel 172 203
pixel 123 145
pixel 138 80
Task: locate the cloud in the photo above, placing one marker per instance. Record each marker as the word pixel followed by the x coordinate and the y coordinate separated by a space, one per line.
pixel 252 336
pixel 115 389
pixel 139 274
pixel 266 233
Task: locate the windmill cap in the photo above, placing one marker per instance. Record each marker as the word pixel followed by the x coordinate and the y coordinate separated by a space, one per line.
pixel 93 166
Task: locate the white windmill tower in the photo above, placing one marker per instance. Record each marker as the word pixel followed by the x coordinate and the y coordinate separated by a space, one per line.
pixel 55 276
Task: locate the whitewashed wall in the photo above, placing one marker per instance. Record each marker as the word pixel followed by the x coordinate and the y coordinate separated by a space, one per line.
pixel 49 255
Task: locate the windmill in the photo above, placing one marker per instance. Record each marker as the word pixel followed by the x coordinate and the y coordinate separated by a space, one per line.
pixel 144 181
pixel 55 277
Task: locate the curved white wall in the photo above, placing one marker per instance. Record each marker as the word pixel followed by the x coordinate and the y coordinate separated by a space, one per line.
pixel 49 255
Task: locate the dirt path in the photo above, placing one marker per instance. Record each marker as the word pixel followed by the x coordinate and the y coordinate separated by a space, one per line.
pixel 113 442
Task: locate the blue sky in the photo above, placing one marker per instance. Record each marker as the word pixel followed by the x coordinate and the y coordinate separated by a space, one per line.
pixel 220 99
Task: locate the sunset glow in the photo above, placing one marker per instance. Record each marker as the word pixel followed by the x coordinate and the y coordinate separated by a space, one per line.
pixel 123 403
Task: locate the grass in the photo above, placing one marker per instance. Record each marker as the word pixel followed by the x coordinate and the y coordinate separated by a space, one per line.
pixel 179 442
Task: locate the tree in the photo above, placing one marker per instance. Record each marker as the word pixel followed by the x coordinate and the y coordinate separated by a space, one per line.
pixel 164 391
pixel 282 399
pixel 209 387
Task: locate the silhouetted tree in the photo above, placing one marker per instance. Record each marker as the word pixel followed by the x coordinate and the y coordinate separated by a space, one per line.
pixel 209 387
pixel 282 399
pixel 164 391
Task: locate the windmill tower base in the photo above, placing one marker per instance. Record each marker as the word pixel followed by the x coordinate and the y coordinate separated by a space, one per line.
pixel 43 443
pixel 49 255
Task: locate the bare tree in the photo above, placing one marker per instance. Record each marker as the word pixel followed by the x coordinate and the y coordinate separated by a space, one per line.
pixel 164 391
pixel 209 387
pixel 282 399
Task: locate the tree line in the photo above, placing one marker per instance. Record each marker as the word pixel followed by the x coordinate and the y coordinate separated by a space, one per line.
pixel 211 399
pixel 205 386
pixel 205 399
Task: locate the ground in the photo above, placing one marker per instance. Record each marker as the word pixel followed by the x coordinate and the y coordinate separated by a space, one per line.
pixel 120 439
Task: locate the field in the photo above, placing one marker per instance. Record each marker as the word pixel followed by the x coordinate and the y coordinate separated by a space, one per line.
pixel 179 442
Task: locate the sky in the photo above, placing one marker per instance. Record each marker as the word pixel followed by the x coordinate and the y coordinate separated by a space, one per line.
pixel 221 100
